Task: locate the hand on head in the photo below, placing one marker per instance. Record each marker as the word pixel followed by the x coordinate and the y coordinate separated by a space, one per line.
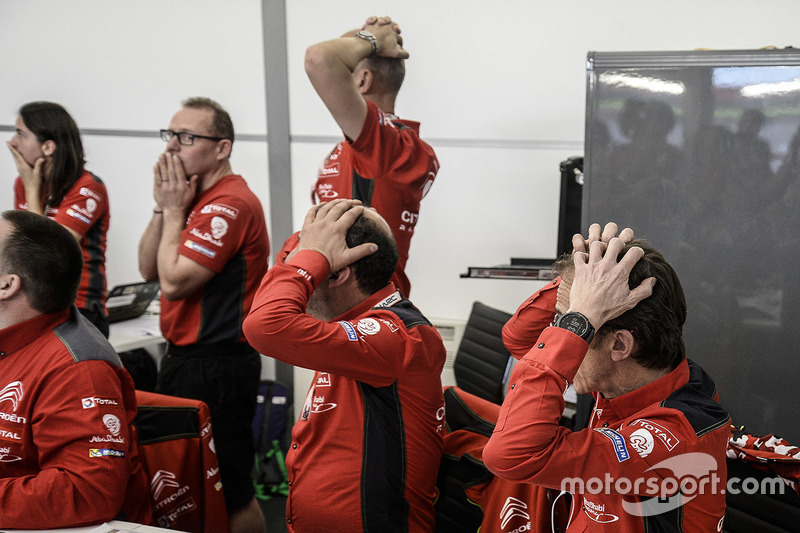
pixel 325 229
pixel 581 244
pixel 600 282
pixel 387 33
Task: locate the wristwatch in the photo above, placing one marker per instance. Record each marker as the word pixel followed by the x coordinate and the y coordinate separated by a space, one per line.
pixel 367 36
pixel 577 324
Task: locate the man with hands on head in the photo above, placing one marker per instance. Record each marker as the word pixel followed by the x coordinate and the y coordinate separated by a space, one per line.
pixel 207 245
pixel 382 161
pixel 617 335
pixel 366 447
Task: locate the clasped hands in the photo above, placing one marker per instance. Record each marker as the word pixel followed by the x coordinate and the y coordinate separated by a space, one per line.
pixel 387 34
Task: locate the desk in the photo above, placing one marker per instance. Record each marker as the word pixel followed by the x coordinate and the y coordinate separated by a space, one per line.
pixel 135 333
pixel 115 526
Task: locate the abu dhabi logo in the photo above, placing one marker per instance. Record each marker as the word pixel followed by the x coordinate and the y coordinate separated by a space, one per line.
pixel 12 393
pixel 513 508
pixel 161 481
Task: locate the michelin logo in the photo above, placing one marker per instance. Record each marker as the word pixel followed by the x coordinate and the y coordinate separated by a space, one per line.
pixel 349 329
pixel 199 248
pixel 619 443
pixel 105 452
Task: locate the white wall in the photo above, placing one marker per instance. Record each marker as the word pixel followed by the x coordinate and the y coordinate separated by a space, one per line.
pixel 498 86
pixel 126 66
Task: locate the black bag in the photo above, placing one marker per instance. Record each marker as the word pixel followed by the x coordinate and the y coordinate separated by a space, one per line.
pixel 271 427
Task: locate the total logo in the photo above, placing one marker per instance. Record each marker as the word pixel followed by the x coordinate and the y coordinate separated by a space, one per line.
pixel 93 401
pixel 514 508
pixel 323 379
pixel 660 432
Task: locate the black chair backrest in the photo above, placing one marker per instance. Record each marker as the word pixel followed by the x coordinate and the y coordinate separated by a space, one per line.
pixel 482 361
pixel 762 512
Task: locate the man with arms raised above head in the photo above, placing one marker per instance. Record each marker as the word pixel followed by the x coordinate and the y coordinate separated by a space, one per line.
pixel 382 161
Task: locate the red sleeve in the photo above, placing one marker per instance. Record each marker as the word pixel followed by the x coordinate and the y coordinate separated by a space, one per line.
pixel 213 236
pixel 278 326
pixel 82 453
pixel 288 245
pixel 536 313
pixel 84 205
pixel 528 444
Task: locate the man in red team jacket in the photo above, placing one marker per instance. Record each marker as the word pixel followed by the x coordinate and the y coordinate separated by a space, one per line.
pixel 207 245
pixel 366 448
pixel 653 456
pixel 382 161
pixel 68 453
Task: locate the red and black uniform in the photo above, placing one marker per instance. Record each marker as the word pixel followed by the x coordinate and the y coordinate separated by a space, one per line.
pixel 225 232
pixel 366 448
pixel 207 356
pixel 387 167
pixel 67 448
pixel 638 447
pixel 85 210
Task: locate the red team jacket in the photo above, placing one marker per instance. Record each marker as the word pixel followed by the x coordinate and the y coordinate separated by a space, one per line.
pixel 84 210
pixel 668 435
pixel 387 167
pixel 367 445
pixel 68 453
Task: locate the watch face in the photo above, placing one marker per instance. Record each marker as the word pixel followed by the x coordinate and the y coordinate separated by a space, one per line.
pixel 577 324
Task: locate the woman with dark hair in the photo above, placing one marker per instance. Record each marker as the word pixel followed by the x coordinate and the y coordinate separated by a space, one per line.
pixel 52 181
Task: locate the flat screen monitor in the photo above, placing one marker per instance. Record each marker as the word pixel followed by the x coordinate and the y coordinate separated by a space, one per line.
pixel 699 153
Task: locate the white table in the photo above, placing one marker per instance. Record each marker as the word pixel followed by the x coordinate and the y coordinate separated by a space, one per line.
pixel 115 526
pixel 135 333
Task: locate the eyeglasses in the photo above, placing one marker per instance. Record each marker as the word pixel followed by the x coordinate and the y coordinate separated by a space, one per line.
pixel 185 138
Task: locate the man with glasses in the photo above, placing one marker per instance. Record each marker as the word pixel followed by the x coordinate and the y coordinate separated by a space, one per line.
pixel 207 245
